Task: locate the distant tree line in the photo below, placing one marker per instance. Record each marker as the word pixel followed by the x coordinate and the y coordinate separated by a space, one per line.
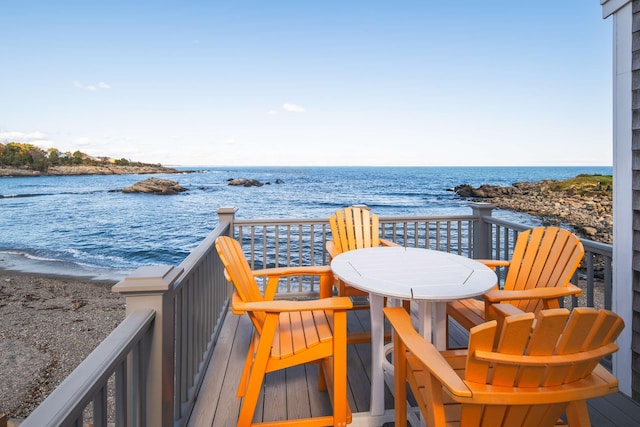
pixel 14 154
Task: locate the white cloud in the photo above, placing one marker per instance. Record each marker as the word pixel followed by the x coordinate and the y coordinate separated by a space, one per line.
pixel 230 141
pixel 36 138
pixel 82 141
pixel 293 108
pixel 272 112
pixel 101 85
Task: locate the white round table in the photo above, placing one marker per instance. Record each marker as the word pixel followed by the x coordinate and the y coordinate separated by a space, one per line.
pixel 431 278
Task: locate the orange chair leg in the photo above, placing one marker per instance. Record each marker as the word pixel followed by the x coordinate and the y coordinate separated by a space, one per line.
pixel 242 386
pixel 258 372
pixel 340 369
pixel 578 414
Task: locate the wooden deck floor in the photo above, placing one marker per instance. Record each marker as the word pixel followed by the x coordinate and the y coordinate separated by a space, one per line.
pixel 294 394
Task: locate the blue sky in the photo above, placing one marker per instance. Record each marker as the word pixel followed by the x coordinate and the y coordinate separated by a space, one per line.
pixel 311 83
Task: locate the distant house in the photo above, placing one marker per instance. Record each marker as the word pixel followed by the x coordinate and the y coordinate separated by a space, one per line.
pixel 626 189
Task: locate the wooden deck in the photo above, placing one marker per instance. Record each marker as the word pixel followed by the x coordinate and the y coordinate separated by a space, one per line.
pixel 294 394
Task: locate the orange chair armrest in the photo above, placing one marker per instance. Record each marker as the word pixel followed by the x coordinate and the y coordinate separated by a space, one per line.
pixel 305 270
pixel 331 249
pixel 385 242
pixel 497 295
pixel 586 388
pixel 493 263
pixel 504 310
pixel 282 306
pixel 550 360
pixel 425 352
pixel 235 303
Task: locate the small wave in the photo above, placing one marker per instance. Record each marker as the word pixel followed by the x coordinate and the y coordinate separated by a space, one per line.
pixel 63 193
pixel 16 196
pixel 30 256
pixel 30 263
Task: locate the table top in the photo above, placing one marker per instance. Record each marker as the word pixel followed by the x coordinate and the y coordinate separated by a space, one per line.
pixel 413 273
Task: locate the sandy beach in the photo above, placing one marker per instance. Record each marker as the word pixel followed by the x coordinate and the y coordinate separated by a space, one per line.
pixel 49 324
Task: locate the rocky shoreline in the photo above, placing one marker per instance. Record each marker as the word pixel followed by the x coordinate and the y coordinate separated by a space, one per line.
pixel 87 170
pixel 589 213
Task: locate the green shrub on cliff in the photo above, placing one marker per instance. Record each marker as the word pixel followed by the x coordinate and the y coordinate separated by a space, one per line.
pixel 27 156
pixel 584 184
pixel 23 155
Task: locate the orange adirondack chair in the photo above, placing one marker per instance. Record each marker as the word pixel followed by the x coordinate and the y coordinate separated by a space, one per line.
pixel 288 333
pixel 353 228
pixel 544 260
pixel 527 372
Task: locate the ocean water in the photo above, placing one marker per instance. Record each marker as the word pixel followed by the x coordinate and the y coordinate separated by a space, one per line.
pixel 75 225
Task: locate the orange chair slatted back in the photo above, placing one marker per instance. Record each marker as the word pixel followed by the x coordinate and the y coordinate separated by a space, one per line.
pixel 354 228
pixel 238 271
pixel 558 347
pixel 543 256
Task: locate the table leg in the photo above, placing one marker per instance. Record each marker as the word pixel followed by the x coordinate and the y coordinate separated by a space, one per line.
pixel 432 318
pixel 377 354
pixel 424 318
pixel 439 331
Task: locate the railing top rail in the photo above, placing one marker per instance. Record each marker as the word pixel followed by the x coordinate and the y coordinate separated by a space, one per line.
pixel 280 221
pixel 193 259
pixel 589 245
pixel 503 223
pixel 69 399
pixel 428 218
pixel 597 247
pixel 287 221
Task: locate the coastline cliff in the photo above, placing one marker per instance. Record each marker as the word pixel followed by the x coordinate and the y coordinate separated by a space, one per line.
pixel 86 170
pixel 18 159
pixel 584 202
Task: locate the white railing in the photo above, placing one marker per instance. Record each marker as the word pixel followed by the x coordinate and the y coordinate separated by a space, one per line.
pixel 153 363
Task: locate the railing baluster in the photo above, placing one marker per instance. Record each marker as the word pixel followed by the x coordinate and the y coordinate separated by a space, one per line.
pixel 100 408
pixel 121 396
pixel 608 283
pixel 589 261
pixel 277 245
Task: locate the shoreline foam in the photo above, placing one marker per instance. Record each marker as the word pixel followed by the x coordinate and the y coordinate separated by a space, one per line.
pixel 24 262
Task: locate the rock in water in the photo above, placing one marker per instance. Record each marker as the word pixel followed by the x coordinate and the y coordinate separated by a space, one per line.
pixel 155 186
pixel 244 182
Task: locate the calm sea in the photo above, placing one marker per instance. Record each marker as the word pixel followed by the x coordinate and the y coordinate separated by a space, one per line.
pixel 75 225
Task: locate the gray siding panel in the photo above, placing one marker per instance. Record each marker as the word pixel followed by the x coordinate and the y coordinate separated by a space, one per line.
pixel 635 343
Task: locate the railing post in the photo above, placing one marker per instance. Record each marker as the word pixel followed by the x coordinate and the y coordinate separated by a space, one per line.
pixel 481 230
pixel 227 214
pixel 152 287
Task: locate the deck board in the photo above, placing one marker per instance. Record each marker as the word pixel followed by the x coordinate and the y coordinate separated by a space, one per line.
pixel 297 392
pixel 320 403
pixel 274 404
pixel 294 393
